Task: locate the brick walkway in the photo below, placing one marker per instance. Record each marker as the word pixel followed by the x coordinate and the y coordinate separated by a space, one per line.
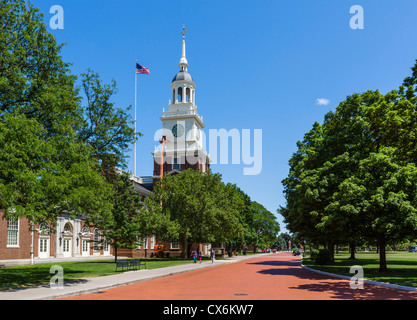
pixel 271 277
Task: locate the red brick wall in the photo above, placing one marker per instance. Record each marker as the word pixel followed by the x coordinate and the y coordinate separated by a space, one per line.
pixel 23 250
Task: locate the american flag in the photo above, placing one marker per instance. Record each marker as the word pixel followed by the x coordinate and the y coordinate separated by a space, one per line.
pixel 141 70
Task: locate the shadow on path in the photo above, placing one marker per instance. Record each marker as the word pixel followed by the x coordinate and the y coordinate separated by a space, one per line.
pixel 287 268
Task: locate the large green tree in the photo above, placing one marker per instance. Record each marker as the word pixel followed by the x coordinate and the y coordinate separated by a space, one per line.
pixel 327 186
pixel 193 207
pixel 54 142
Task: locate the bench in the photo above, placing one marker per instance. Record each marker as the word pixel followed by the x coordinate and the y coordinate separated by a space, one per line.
pixel 134 263
pixel 122 264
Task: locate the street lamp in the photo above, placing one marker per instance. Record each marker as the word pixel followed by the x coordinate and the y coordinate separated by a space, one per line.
pixel 162 141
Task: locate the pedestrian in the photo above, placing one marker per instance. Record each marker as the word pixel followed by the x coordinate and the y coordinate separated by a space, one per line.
pixel 212 255
pixel 195 256
pixel 200 256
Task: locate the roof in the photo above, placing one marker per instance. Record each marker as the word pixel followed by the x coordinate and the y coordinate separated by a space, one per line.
pixel 183 76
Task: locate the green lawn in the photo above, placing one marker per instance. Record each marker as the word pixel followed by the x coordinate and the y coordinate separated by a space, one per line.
pixel 402 267
pixel 24 276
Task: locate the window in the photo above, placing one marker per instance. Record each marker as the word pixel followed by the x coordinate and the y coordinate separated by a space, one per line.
pixel 138 242
pixel 145 243
pixel 97 240
pixel 106 245
pixel 43 229
pixel 43 245
pixel 187 95
pixel 66 245
pixel 179 94
pixel 175 164
pixel 85 231
pixel 68 228
pixel 152 242
pixel 85 246
pixel 175 245
pixel 13 232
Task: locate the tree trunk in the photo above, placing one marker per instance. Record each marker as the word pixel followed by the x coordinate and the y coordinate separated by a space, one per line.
pixel 186 248
pixel 352 248
pixel 115 254
pixel 330 247
pixel 382 254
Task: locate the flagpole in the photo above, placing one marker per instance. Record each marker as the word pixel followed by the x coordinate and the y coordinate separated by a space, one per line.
pixel 136 95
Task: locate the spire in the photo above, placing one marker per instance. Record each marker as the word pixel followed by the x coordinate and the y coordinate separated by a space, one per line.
pixel 183 62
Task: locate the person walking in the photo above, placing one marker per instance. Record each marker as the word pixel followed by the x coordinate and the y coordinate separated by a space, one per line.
pixel 212 255
pixel 200 256
pixel 195 256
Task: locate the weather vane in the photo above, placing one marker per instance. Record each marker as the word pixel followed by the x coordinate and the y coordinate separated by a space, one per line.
pixel 183 31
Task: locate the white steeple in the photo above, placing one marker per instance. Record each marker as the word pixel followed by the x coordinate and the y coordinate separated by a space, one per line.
pixel 182 125
pixel 183 61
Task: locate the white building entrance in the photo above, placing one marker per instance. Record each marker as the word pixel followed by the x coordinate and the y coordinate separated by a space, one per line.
pixel 44 241
pixel 44 247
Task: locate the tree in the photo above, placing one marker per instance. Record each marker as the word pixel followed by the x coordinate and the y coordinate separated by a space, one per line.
pixel 106 128
pixel 264 225
pixel 384 195
pixel 34 79
pixel 123 229
pixel 40 105
pixel 193 207
pixel 344 175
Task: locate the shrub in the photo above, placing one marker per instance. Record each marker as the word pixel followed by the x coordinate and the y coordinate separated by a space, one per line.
pixel 323 256
pixel 313 254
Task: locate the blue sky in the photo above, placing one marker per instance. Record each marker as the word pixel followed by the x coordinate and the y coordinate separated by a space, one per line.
pixel 256 64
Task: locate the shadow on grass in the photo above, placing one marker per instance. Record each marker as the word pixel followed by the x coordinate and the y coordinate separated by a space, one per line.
pixel 18 279
pixel 75 272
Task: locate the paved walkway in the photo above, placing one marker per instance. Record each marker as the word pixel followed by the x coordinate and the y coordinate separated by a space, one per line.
pixel 265 277
pixel 261 277
pixel 89 285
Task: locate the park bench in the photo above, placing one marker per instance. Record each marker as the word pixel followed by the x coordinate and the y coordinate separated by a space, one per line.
pixel 135 263
pixel 122 264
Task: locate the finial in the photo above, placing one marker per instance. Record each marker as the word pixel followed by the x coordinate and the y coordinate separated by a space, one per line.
pixel 183 31
pixel 183 62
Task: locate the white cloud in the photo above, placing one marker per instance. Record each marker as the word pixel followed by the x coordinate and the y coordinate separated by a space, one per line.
pixel 322 102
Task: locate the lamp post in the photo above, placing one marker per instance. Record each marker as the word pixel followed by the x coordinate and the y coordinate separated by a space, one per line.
pixel 32 261
pixel 162 141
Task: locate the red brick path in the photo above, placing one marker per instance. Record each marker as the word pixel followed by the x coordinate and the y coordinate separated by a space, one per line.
pixel 272 277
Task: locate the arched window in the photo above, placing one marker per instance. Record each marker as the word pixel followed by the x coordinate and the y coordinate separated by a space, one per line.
pixel 180 94
pixel 173 96
pixel 44 228
pixel 85 231
pixel 68 229
pixel 97 240
pixel 187 95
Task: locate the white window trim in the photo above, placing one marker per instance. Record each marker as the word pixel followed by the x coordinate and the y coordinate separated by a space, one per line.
pixel 145 243
pixel 177 247
pixel 153 242
pixel 18 235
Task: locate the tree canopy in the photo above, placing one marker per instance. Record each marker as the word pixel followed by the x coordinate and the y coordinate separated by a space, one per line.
pixel 52 143
pixel 353 177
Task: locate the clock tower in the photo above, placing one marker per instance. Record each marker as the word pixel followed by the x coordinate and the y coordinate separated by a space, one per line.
pixel 182 127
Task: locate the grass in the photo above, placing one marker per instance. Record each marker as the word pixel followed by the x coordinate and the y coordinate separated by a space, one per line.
pixel 402 267
pixel 24 276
